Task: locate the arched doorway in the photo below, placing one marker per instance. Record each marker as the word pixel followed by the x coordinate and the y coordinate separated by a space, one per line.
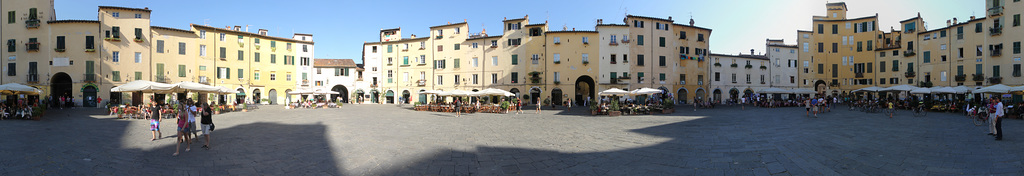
pixel 342 93
pixel 535 95
pixel 748 93
pixel 256 96
pixel 514 91
pixel 699 94
pixel 390 97
pixel 272 96
pixel 360 96
pixel 240 96
pixel 60 85
pixel 89 96
pixel 288 96
pixel 716 95
pixel 406 95
pixel 556 96
pixel 819 86
pixel 734 94
pixel 375 96
pixel 681 95
pixel 423 97
pixel 584 89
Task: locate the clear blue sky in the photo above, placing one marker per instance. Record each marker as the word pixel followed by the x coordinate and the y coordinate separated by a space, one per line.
pixel 339 27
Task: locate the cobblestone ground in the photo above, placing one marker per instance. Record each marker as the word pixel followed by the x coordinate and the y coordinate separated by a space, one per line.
pixel 390 140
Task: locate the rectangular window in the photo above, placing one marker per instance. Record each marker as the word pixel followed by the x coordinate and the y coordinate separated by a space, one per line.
pixel 241 55
pixel 977 27
pixel 661 61
pixel 515 59
pixel 821 28
pixel 640 60
pixel 860 46
pixel 639 77
pixel 114 75
pixel 456 62
pixel 640 40
pixel 700 37
pixel 661 41
pixel 995 71
pixel 585 58
pixel 138 33
pixel 1016 20
pixel 661 76
pixel 881 66
pixel 457 46
pixel 223 52
pixel 405 60
pixel 557 58
pixel 273 58
pixel 115 56
pixel 202 50
pixel 835 48
pixel 1016 70
pixel 821 47
pixel 241 73
pixel 138 76
pixel 515 77
pixel 494 60
pixel 870 46
pixel 10 17
pixel 115 32
pixel 256 57
pixel 12 69
pixel 1016 47
pixel 181 71
pixel 181 48
pixel 222 36
pixel 138 57
pixel 835 29
pixel 927 57
pixel 494 78
pixel 895 65
pixel 586 40
pixel 159 46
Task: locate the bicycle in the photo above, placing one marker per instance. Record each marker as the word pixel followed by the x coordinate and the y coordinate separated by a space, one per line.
pixel 981 118
pixel 920 111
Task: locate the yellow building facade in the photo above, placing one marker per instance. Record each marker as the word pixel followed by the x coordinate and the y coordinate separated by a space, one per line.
pixel 84 59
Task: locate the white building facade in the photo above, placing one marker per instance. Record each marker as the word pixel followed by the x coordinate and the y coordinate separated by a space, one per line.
pixel 783 65
pixel 304 65
pixel 338 75
pixel 736 76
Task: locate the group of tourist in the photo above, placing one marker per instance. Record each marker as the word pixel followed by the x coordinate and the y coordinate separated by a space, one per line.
pixel 19 110
pixel 186 123
pixel 61 101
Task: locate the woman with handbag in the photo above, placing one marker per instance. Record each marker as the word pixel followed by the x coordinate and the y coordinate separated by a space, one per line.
pixel 207 123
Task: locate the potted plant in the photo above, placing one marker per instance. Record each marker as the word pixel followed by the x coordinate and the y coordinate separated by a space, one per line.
pixel 265 101
pixel 613 109
pixel 667 106
pixel 734 65
pixel 37 112
pixel 718 64
pixel 242 106
pixel 338 104
pixel 59 49
pixel 586 62
pixel 547 102
pixel 90 50
pixel 138 40
pixel 504 105
pixel 593 107
pixel 748 66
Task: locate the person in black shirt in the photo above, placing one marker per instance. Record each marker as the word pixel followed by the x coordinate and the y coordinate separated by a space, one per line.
pixel 207 121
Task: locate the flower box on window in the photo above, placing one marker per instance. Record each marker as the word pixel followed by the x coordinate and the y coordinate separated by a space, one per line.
pixel 718 64
pixel 995 80
pixel 59 49
pixel 960 78
pixel 90 50
pixel 978 77
pixel 586 62
pixel 257 46
pixel 909 74
pixel 557 82
pixel 734 65
pixel 748 66
pixel 113 39
pixel 273 49
pixel 558 62
pixel 138 40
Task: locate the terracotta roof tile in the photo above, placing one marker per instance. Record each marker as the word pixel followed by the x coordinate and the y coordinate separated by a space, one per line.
pixel 334 63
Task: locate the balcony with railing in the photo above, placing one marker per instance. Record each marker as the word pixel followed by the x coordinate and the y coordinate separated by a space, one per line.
pixel 204 80
pixel 32 46
pixel 89 77
pixel 994 11
pixel 32 78
pixel 162 79
pixel 32 23
pixel 996 30
pixel 960 78
pixel 421 82
pixel 998 52
pixel 978 77
pixel 306 83
pixel 859 75
pixel 995 80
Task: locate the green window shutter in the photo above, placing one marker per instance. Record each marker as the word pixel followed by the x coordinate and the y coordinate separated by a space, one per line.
pixel 613 75
pixel 138 75
pixel 927 55
pixel 457 46
pixel 661 76
pixel 138 33
pixel 115 76
pixel 159 69
pixel 223 52
pixel 240 73
pixel 227 73
pixel 456 63
pixel 273 57
pixel 89 68
pixel 181 71
pixel 10 17
pixel 256 57
pixel 389 48
pixel 273 44
pixel 405 60
pixel 515 59
pixel 241 55
pixel 661 41
pixel 995 71
pixel 640 40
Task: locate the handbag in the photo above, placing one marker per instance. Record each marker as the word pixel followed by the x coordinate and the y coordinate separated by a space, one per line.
pixel 212 126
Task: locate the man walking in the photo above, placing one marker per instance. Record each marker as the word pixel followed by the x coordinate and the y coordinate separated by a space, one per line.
pixel 207 121
pixel 998 118
pixel 190 107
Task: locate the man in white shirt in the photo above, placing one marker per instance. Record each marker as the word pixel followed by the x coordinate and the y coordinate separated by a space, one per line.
pixel 998 118
pixel 192 110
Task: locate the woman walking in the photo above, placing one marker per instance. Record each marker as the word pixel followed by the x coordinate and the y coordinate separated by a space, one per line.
pixel 538 107
pixel 182 129
pixel 154 122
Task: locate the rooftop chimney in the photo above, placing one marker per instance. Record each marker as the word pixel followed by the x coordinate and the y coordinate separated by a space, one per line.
pixel 948 22
pixel 954 20
pixel 670 18
pixel 972 18
pixel 238 28
pixel 751 51
pixel 691 21
pixel 263 32
pixel 412 35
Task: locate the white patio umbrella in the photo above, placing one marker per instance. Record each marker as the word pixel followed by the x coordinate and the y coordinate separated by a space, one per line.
pixel 944 90
pixel 1017 89
pixel 302 92
pixel 15 88
pixel 224 90
pixel 189 86
pixel 921 91
pixel 962 89
pixel 613 91
pixel 994 89
pixel 645 91
pixel 803 91
pixel 868 89
pixel 326 92
pixel 899 88
pixel 773 91
pixel 460 93
pixel 144 86
pixel 430 92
